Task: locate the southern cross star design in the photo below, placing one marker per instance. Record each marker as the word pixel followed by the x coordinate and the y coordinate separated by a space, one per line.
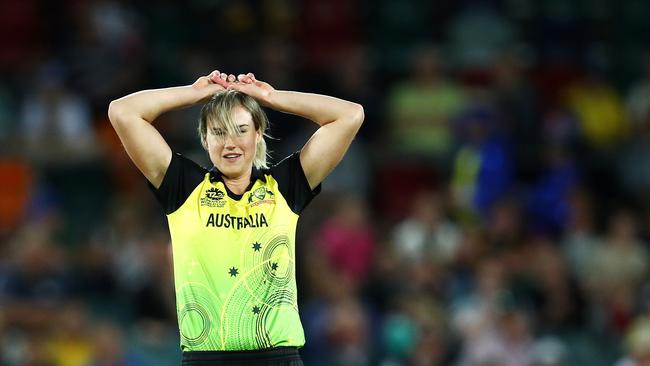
pixel 257 246
pixel 256 309
pixel 233 272
pixel 274 266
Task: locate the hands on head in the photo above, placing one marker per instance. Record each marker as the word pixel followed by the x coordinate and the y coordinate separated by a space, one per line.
pixel 244 83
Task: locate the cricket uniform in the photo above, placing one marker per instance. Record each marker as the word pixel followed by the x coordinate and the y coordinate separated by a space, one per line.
pixel 234 257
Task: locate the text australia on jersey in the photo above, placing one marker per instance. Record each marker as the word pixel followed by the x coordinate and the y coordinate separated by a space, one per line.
pixel 214 197
pixel 237 222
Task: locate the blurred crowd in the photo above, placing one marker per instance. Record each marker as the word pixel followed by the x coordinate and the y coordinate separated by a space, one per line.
pixel 494 209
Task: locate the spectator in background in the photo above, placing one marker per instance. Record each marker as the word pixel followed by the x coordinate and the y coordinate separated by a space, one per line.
pixel 348 332
pixel 617 270
pixel 599 108
pixel 70 343
pixel 548 208
pixel 125 231
pixel 552 292
pixel 473 247
pixel 637 344
pixel 504 225
pixel 339 324
pixel 580 240
pixel 411 331
pixel 36 279
pixel 494 329
pixel 34 285
pixel 28 349
pixel 347 240
pixel 57 117
pixel 483 166
pixel 549 351
pixel 426 234
pixel 421 109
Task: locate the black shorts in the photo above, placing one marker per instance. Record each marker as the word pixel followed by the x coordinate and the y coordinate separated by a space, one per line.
pixel 280 356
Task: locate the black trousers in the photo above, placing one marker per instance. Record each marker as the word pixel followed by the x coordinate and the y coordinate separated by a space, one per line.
pixel 280 356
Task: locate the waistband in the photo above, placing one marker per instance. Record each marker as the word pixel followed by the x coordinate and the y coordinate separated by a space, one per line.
pixel 195 358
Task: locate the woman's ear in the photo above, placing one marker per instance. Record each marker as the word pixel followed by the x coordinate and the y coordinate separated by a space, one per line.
pixel 204 142
pixel 258 135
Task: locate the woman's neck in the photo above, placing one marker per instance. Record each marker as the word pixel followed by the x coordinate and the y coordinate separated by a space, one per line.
pixel 239 184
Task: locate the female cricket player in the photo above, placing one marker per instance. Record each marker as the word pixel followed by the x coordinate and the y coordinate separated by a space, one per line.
pixel 233 225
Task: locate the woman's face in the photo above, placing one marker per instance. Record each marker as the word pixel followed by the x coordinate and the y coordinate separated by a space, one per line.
pixel 233 155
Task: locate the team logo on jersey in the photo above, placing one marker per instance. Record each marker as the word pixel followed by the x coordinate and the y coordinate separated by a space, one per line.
pixel 213 198
pixel 260 196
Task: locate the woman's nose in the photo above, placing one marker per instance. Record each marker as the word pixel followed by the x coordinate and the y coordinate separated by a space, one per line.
pixel 228 142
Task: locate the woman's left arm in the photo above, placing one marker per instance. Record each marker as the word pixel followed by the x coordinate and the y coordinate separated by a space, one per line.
pixel 339 122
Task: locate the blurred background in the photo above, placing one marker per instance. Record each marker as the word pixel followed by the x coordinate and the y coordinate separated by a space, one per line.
pixel 494 209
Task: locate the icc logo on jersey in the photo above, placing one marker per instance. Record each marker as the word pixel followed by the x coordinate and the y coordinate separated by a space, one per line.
pixel 213 198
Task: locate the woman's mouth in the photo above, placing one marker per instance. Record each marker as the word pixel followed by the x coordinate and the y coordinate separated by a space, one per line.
pixel 231 156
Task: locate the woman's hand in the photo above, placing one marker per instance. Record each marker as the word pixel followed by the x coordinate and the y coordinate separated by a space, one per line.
pixel 247 84
pixel 213 83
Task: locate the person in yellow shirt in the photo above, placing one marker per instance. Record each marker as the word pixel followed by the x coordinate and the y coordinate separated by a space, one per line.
pixel 233 225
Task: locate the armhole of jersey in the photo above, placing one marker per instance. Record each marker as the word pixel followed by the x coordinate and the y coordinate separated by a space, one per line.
pixel 293 183
pixel 181 179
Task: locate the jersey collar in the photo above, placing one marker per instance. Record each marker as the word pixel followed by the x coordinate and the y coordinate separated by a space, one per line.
pixel 216 176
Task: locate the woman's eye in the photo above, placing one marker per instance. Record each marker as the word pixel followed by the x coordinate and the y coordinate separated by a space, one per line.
pixel 218 132
pixel 242 130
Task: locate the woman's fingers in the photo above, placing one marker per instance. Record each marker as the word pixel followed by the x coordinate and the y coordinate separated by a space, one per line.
pixel 218 78
pixel 226 80
pixel 244 78
pixel 214 75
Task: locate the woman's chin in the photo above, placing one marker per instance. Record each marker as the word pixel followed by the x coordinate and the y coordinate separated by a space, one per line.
pixel 232 170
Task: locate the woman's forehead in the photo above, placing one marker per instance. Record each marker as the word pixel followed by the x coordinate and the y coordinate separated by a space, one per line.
pixel 238 117
pixel 241 116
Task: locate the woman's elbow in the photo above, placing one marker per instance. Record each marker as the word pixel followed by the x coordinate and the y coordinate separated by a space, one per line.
pixel 115 111
pixel 118 112
pixel 358 114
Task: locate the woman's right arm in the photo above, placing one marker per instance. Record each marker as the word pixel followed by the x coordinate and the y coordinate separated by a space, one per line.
pixel 132 117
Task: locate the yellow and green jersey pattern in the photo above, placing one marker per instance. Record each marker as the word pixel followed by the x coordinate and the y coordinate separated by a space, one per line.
pixel 234 256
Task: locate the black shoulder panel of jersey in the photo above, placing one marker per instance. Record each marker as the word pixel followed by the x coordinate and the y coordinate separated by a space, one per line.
pixel 181 178
pixel 293 183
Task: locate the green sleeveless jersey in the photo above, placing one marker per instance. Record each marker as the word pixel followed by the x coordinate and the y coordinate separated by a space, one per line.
pixel 234 255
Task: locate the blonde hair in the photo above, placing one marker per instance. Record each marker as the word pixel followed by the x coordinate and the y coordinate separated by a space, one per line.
pixel 218 112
